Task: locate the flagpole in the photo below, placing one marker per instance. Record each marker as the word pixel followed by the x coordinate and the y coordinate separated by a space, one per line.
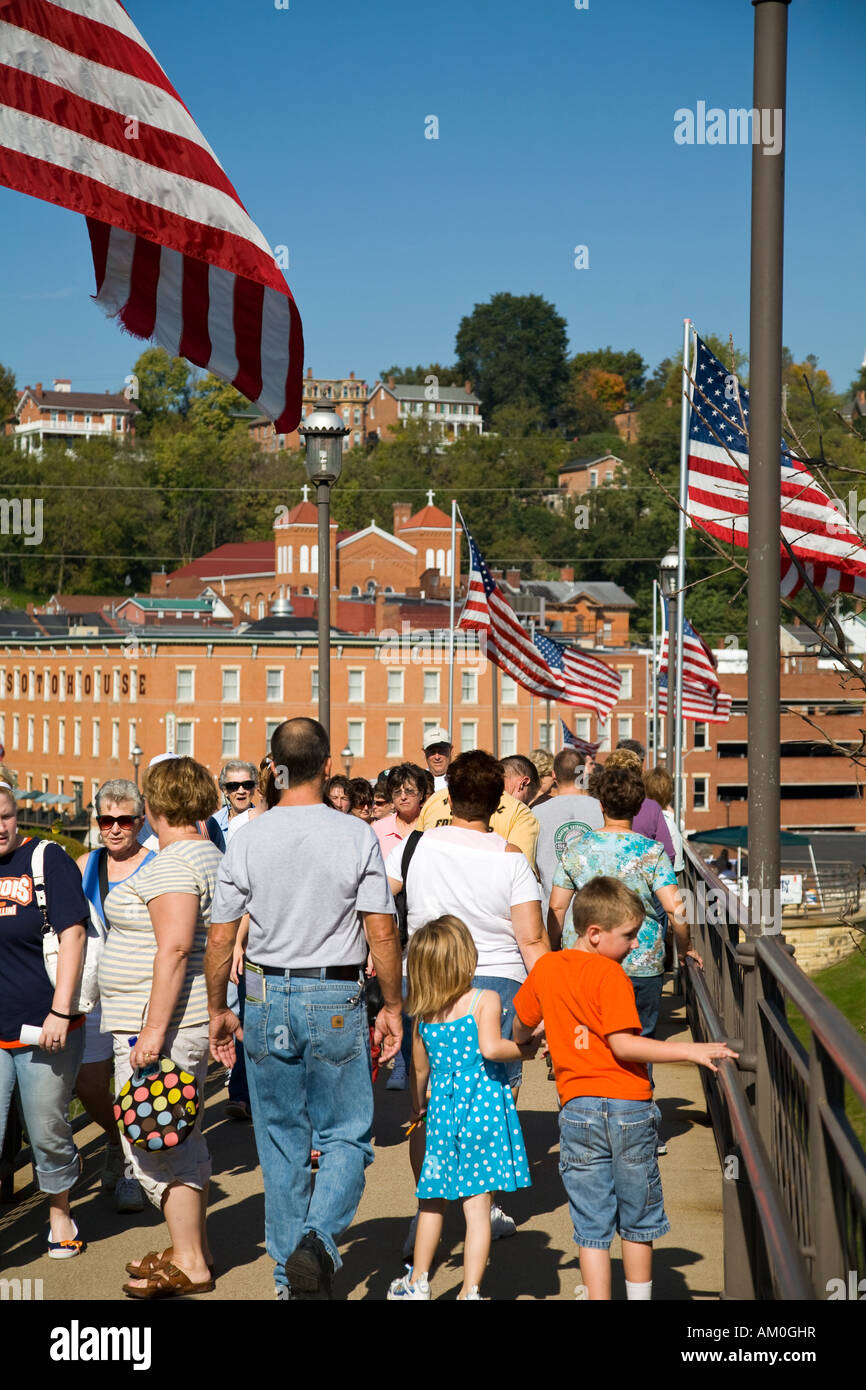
pixel 654 698
pixel 548 739
pixel 451 619
pixel 531 697
pixel 677 653
pixel 494 706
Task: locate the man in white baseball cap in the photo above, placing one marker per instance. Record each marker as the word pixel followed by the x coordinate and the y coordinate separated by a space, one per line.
pixel 437 751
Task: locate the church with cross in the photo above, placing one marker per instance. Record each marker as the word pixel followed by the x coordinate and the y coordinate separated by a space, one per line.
pixel 412 559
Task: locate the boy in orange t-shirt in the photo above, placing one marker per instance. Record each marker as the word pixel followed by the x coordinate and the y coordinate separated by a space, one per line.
pixel 608 1122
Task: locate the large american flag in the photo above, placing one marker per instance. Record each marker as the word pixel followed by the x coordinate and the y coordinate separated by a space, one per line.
pixel 508 645
pixel 89 120
pixel 699 664
pixel 699 702
pixel 819 535
pixel 589 682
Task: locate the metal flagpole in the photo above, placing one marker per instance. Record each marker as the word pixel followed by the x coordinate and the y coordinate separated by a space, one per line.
pixel 451 620
pixel 677 655
pixel 547 739
pixel 531 697
pixel 494 706
pixel 654 698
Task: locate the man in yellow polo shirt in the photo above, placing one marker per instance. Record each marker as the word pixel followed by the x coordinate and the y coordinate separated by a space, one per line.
pixel 511 819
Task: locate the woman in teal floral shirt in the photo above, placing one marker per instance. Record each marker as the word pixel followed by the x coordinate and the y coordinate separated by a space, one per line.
pixel 644 867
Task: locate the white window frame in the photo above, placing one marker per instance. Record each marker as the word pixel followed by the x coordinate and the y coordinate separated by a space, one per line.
pixel 355 729
pixel 507 689
pixel 469 681
pixel 468 735
pixel 355 675
pixel 394 738
pixel 115 738
pixel 625 690
pixel 508 738
pixel 314 684
pixel 184 728
pixel 704 725
pixel 227 697
pixel 623 726
pixel 230 735
pixel 179 698
pixel 434 679
pixel 702 783
pixel 46 734
pixel 76 738
pixel 277 696
pixel 31 733
pixel 396 685
pixel 94 738
pixel 61 736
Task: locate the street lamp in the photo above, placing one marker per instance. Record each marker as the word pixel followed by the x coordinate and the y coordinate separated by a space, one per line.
pixel 323 434
pixel 137 754
pixel 348 759
pixel 668 572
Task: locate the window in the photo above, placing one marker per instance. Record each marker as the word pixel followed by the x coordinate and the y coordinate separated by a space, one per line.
pixel 699 793
pixel 356 591
pixel 231 738
pixel 62 674
pixel 133 685
pixel 31 732
pixel 46 735
pixel 115 684
pixel 16 727
pixel 274 683
pixel 394 738
pixel 94 745
pixel 593 478
pixel 231 686
pixel 314 683
pixel 546 736
pixel 581 726
pixel 132 739
pixel 61 736
pixel 625 688
pixel 184 738
pixel 115 738
pixel 604 735
pixel 468 734
pixel 431 687
pixel 469 688
pixel 356 687
pixel 271 726
pixel 78 678
pixel 355 737
pixel 76 738
pixel 623 726
pixel 702 736
pixel 395 687
pixel 508 739
pixel 185 693
pixel 305 560
pixel 508 689
pixel 429 560
pixel 16 684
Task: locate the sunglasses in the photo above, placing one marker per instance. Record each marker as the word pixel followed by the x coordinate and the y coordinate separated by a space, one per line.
pixel 240 786
pixel 125 822
pixel 380 802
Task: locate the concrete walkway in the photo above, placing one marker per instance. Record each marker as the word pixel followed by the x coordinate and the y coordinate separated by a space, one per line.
pixel 539 1262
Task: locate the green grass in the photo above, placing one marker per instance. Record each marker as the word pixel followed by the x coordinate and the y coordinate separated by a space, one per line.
pixel 844 984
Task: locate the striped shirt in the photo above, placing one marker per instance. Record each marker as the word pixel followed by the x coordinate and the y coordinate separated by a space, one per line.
pixel 126 970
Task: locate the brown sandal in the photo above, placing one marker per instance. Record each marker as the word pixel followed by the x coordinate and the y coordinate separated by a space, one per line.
pixel 151 1262
pixel 168 1282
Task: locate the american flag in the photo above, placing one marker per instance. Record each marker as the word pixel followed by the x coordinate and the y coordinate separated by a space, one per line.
pixel 699 702
pixel 89 120
pixel 581 745
pixel 509 646
pixel 718 488
pixel 589 682
pixel 699 664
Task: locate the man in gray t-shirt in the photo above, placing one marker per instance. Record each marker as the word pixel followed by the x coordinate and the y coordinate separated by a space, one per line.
pixel 303 873
pixel 567 815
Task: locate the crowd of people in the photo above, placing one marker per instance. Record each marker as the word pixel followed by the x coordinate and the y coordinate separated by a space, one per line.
pixel 492 909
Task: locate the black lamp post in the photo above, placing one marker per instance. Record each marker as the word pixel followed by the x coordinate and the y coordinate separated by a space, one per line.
pixel 137 754
pixel 323 432
pixel 668 570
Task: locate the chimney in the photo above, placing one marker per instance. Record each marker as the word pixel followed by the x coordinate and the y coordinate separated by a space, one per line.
pixel 512 577
pixel 567 573
pixel 62 383
pixel 495 574
pixel 351 376
pixel 309 372
pixel 467 387
pixel 402 513
pixel 38 388
pixel 391 382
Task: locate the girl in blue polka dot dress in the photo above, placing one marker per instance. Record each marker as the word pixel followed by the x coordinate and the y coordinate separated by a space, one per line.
pixel 474 1143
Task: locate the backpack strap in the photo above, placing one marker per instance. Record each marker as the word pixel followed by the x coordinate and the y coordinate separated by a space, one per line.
pixel 37 873
pixel 474 1000
pixel 104 885
pixel 408 850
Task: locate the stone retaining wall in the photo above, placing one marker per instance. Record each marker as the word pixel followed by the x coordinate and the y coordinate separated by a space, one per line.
pixel 819 946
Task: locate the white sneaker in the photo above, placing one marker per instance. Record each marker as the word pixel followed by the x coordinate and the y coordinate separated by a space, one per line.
pixel 409 1242
pixel 128 1195
pixel 112 1167
pixel 581 1294
pixel 404 1288
pixel 501 1224
pixel 473 1296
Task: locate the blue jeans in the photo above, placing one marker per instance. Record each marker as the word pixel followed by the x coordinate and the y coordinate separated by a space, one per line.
pixel 237 1087
pixel 648 998
pixel 608 1165
pixel 46 1081
pixel 506 989
pixel 308 1071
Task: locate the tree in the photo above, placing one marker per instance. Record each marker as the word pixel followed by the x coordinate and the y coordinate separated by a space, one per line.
pixel 514 349
pixel 160 388
pixel 628 365
pixel 8 392
pixel 215 404
pixel 417 376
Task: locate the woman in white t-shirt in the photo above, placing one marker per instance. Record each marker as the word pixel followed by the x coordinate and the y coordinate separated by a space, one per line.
pixel 467 870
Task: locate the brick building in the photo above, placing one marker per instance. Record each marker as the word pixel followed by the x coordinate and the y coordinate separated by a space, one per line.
pixel 393 404
pixel 584 475
pixel 68 416
pixel 348 396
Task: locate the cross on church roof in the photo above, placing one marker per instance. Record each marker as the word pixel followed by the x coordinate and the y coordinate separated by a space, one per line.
pixel 305 489
pixel 430 497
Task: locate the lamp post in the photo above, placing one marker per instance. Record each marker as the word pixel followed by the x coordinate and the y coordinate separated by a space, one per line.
pixel 323 432
pixel 348 759
pixel 668 585
pixel 137 754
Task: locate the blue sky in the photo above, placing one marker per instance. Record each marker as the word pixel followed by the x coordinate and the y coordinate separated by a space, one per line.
pixel 555 129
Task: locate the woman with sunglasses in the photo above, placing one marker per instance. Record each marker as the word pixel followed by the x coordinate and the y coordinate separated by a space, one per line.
pixel 238 783
pixel 119 817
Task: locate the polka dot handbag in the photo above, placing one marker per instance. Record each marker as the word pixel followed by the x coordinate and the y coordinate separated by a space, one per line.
pixel 158 1106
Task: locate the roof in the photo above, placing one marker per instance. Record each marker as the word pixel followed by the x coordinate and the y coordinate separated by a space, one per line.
pixel 454 395
pixel 374 530
pixel 235 560
pixel 78 400
pixel 578 465
pixel 304 514
pixel 429 518
pixel 152 604
pixel 81 603
pixel 564 591
pixel 14 622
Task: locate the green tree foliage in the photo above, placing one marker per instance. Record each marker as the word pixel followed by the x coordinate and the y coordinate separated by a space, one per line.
pixel 163 387
pixel 8 393
pixel 514 349
pixel 215 405
pixel 417 376
pixel 628 365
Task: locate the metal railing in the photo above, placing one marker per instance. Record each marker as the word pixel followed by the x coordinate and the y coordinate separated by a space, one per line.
pixel 794 1187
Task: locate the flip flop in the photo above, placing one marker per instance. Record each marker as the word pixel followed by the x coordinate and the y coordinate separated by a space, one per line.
pixel 151 1262
pixel 168 1282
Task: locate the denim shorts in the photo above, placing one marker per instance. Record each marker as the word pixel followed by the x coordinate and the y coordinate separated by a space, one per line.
pixel 608 1165
pixel 506 989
